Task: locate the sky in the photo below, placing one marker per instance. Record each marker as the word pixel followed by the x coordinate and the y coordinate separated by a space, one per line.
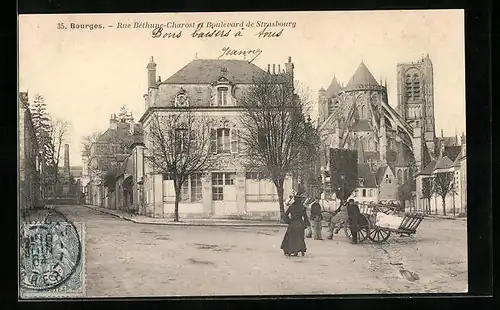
pixel 86 75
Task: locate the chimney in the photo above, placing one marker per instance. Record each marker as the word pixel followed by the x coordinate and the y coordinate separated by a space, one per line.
pixel 151 73
pixel 279 68
pixel 66 158
pixel 113 122
pixel 463 145
pixel 274 68
pixel 268 68
pixel 289 70
pixel 442 135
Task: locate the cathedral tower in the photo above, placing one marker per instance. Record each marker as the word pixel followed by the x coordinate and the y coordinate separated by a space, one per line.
pixel 416 97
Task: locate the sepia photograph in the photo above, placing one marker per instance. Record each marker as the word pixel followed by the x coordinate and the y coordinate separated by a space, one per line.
pixel 242 154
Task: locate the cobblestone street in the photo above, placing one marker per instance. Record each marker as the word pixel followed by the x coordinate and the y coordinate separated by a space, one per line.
pixel 125 259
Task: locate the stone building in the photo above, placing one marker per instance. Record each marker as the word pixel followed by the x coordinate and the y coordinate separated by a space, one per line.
pixel 211 88
pixel 29 164
pixel 110 150
pixel 397 143
pixel 452 159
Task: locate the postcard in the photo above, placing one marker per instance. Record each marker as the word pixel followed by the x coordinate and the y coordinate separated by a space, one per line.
pixel 243 153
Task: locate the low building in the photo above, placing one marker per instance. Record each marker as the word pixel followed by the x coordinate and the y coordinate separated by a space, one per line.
pixel 368 191
pixel 107 154
pixel 453 160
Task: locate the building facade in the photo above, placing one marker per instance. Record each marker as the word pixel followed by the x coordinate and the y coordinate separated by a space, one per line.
pixel 450 161
pixel 107 154
pixel 211 88
pixel 29 164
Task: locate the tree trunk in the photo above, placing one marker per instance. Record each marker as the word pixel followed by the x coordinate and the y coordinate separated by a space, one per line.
pixel 177 189
pixel 444 204
pixel 454 204
pixel 176 208
pixel 280 191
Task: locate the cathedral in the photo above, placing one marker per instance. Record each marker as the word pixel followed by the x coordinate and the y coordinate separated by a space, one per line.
pixel 396 142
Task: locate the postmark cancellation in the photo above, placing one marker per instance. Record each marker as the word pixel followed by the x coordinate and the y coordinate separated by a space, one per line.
pixel 52 259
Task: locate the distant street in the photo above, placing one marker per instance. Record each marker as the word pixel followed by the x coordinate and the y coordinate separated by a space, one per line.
pixel 125 259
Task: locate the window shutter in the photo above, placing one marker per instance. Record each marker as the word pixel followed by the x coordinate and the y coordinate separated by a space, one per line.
pixel 213 140
pixel 234 141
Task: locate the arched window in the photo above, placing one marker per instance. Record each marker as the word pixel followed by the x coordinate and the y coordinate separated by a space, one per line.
pixel 406 175
pixel 399 176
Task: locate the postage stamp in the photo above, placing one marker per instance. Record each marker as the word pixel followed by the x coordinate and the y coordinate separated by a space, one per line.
pixel 52 257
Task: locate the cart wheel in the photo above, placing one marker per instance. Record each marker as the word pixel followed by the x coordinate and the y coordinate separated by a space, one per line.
pixel 379 235
pixel 363 232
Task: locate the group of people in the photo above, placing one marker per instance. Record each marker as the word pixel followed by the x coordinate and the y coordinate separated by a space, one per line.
pixel 300 225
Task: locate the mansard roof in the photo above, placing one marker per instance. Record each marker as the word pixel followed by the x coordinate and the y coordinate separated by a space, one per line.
pixel 206 71
pixel 362 77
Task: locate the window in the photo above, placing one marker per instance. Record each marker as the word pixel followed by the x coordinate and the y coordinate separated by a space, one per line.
pixel 181 139
pixel 234 141
pixel 196 188
pixel 222 93
pixel 191 190
pixel 259 189
pixel 185 191
pixel 219 181
pixel 224 140
pixel 355 193
pixel 217 186
pixel 364 193
pixel 399 177
pixel 370 193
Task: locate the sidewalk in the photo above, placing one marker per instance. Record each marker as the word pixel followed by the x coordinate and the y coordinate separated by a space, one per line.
pixel 445 217
pixel 141 219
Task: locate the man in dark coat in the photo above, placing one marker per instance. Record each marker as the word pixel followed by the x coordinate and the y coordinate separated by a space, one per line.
pixel 353 218
pixel 316 219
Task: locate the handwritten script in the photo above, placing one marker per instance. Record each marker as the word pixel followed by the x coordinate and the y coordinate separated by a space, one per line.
pixel 227 51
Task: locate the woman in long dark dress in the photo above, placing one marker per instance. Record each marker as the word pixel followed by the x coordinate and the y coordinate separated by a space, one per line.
pixel 294 240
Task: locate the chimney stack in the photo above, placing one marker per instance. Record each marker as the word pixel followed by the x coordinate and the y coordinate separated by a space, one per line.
pixel 151 73
pixel 279 68
pixel 66 159
pixel 268 68
pixel 274 68
pixel 442 135
pixel 113 122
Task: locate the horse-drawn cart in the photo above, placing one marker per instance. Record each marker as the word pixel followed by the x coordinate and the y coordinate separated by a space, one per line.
pixel 370 228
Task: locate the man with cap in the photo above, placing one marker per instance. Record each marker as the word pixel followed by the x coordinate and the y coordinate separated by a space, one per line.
pixel 353 218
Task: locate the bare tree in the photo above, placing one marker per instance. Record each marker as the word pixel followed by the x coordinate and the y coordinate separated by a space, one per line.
pixel 276 137
pixel 58 131
pixel 179 146
pixel 87 143
pixel 427 191
pixel 443 184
